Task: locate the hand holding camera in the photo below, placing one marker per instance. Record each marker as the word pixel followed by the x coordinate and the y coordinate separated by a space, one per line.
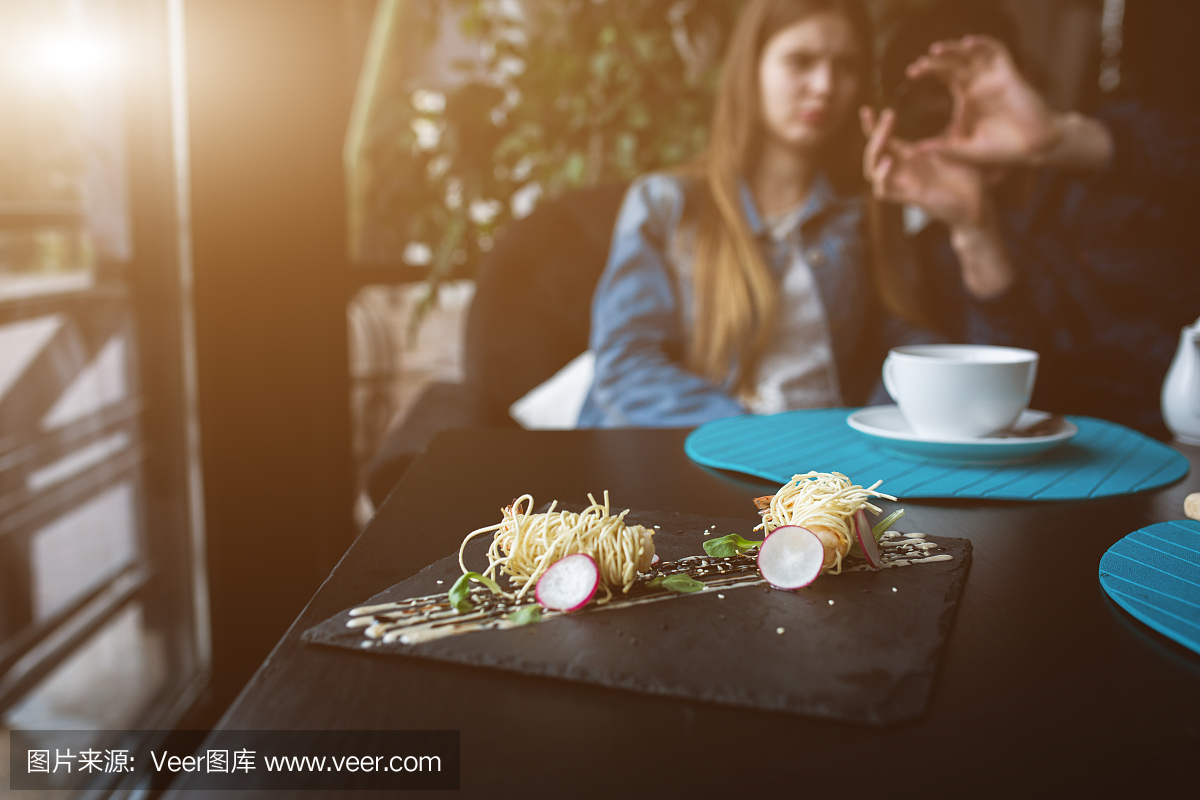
pixel 965 99
pixel 940 149
pixel 901 171
pixel 997 117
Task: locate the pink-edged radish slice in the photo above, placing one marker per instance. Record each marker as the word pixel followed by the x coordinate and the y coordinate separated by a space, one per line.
pixel 791 557
pixel 866 540
pixel 654 560
pixel 569 583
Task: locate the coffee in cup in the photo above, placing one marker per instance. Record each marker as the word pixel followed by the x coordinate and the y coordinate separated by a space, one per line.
pixel 960 391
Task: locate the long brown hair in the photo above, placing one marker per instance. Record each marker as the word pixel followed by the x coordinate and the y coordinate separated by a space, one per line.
pixel 735 294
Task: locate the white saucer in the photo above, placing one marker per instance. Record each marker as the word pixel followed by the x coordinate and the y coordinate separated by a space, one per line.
pixel 888 428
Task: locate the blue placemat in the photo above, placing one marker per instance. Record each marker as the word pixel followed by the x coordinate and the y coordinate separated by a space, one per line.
pixel 1104 459
pixel 1154 574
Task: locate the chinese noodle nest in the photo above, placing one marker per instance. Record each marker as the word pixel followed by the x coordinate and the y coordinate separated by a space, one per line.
pixel 824 503
pixel 526 544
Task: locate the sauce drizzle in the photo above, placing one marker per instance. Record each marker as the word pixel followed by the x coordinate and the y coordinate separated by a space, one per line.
pixel 432 617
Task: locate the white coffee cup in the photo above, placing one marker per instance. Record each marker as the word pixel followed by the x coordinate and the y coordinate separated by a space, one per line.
pixel 960 391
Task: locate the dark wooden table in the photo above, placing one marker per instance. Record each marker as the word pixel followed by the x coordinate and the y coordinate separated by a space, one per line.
pixel 1045 686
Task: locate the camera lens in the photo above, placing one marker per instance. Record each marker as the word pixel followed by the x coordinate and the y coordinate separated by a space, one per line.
pixel 923 108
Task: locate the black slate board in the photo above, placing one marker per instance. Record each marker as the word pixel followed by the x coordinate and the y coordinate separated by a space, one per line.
pixel 868 658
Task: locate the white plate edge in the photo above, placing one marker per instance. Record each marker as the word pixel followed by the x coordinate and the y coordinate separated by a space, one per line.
pixel 1068 432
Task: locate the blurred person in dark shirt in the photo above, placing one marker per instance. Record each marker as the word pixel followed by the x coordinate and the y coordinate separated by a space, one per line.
pixel 1066 233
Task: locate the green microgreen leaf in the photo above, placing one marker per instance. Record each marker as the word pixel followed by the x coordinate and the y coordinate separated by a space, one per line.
pixel 655 581
pixel 728 546
pixel 526 614
pixel 460 592
pixel 882 528
pixel 488 582
pixel 682 583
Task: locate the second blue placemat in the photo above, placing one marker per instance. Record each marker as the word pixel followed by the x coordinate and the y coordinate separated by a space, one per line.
pixel 1104 459
pixel 1154 574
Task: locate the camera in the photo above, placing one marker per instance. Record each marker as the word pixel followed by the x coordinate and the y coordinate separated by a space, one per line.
pixel 923 108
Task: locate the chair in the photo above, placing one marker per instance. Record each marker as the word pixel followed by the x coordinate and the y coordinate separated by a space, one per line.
pixel 530 316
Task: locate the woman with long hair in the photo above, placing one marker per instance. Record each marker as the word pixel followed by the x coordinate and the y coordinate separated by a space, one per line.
pixel 741 282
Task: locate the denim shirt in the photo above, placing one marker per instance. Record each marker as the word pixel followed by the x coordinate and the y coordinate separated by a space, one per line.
pixel 642 308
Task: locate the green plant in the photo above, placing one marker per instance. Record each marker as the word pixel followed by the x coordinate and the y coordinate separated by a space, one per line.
pixel 565 94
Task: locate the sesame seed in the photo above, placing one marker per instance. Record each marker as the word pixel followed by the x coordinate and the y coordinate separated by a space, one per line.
pixel 720 597
pixel 779 630
pixel 893 588
pixel 439 583
pixel 830 602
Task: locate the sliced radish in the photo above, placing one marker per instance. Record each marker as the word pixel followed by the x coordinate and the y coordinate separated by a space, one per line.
pixel 866 540
pixel 654 560
pixel 791 557
pixel 569 583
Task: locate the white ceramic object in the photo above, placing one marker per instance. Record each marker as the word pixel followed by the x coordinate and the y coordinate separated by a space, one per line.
pixel 1181 389
pixel 888 428
pixel 960 391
